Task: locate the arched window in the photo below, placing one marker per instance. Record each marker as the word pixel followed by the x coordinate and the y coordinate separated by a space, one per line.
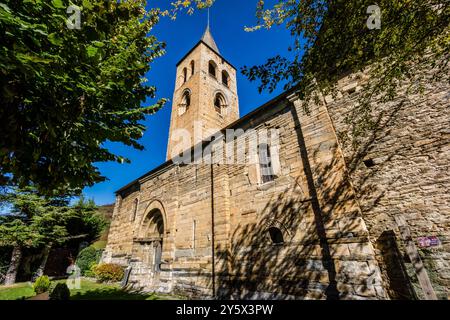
pixel 220 103
pixel 265 163
pixel 225 78
pixel 135 208
pixel 276 235
pixel 184 75
pixel 187 98
pixel 185 102
pixel 212 68
pixel 192 67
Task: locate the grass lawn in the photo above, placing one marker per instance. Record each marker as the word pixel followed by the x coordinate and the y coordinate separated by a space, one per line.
pixel 89 290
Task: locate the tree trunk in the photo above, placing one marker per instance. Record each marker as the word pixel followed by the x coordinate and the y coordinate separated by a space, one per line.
pixel 40 270
pixel 14 264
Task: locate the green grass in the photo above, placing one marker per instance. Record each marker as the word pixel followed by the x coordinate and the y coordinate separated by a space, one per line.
pixel 100 244
pixel 89 290
pixel 16 291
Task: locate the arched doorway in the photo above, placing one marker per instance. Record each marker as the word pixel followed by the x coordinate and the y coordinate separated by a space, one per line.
pixel 152 233
pixel 148 248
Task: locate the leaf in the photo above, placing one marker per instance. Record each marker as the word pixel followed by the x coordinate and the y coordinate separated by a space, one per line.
pixel 55 39
pixel 91 51
pixel 26 57
pixel 87 4
pixel 98 44
pixel 58 4
pixel 5 7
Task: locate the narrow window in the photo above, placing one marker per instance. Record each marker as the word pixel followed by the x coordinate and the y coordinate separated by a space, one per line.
pixel 276 235
pixel 184 75
pixel 225 78
pixel 212 68
pixel 220 104
pixel 192 67
pixel 187 99
pixel 217 104
pixel 185 102
pixel 135 208
pixel 265 163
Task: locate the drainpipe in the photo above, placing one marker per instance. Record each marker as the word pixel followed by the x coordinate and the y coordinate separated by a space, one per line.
pixel 213 270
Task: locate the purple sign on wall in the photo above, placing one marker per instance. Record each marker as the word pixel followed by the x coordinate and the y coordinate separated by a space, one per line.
pixel 425 242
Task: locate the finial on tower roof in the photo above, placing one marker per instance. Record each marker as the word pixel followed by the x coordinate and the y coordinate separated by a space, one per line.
pixel 208 38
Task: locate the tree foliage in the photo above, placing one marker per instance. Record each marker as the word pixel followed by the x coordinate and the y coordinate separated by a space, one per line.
pixel 36 220
pixel 85 220
pixel 333 37
pixel 65 92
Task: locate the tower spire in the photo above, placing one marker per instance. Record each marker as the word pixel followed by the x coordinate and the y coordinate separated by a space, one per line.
pixel 208 38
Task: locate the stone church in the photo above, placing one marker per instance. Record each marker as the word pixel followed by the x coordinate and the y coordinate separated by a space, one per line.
pixel 305 216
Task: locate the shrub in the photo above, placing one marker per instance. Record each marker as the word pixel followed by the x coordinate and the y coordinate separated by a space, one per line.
pixel 91 271
pixel 42 284
pixel 108 272
pixel 86 258
pixel 60 292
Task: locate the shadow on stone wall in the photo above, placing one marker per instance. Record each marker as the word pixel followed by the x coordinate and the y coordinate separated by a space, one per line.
pixel 391 153
pixel 324 254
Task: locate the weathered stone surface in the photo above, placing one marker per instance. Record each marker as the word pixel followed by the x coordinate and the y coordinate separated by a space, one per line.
pixel 333 212
pixel 409 148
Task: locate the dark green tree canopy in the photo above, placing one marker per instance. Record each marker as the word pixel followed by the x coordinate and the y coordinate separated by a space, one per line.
pixel 36 220
pixel 334 37
pixel 65 91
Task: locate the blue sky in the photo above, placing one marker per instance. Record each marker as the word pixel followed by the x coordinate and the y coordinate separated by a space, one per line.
pixel 228 19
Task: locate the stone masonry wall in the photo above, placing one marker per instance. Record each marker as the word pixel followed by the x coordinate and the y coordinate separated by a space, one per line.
pixel 326 252
pixel 401 167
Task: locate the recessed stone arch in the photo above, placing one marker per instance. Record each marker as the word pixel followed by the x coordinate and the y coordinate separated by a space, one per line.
pixel 271 226
pixel 220 102
pixel 149 243
pixel 154 220
pixel 212 68
pixel 225 78
pixel 185 101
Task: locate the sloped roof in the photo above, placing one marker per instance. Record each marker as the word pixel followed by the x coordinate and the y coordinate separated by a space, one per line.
pixel 209 40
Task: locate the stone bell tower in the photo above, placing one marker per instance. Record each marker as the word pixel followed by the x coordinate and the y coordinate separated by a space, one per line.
pixel 205 98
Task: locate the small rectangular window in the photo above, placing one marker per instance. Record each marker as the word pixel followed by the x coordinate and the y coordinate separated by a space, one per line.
pixel 212 69
pixel 265 163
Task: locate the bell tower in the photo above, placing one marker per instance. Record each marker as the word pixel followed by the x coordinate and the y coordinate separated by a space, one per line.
pixel 205 98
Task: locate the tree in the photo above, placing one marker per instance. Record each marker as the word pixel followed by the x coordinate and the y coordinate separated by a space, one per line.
pixel 85 220
pixel 17 234
pixel 62 223
pixel 16 230
pixel 42 222
pixel 65 90
pixel 393 40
